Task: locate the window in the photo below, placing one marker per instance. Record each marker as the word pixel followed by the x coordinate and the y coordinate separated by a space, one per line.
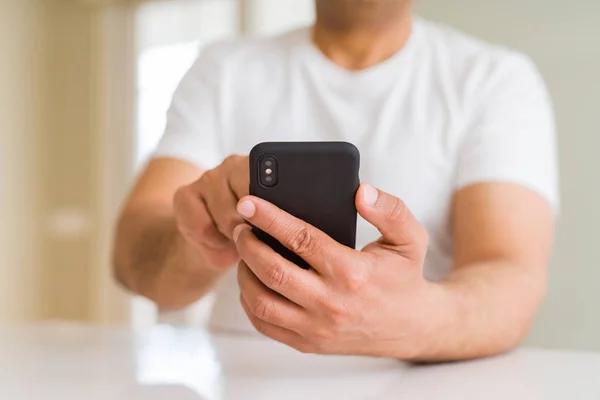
pixel 169 38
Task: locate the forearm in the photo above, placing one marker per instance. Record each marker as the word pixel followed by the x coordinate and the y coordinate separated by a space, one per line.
pixel 153 260
pixel 482 309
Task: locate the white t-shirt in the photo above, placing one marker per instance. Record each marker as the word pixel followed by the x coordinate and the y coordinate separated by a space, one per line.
pixel 445 112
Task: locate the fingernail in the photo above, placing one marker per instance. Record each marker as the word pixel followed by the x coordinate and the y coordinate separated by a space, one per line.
pixel 370 195
pixel 246 209
pixel 238 231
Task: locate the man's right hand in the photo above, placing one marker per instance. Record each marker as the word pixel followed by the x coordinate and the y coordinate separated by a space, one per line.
pixel 205 211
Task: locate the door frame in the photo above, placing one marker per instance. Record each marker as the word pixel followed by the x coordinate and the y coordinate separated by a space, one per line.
pixel 114 93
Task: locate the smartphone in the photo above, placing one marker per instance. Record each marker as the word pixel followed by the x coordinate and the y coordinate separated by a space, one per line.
pixel 314 181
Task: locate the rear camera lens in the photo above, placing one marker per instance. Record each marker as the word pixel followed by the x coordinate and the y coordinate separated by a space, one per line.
pixel 268 171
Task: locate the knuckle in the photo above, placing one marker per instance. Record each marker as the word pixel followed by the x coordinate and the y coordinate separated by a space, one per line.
pixel 180 195
pixel 321 334
pixel 399 211
pixel 336 318
pixel 205 180
pixel 232 159
pixel 317 347
pixel 181 198
pixel 263 308
pixel 260 327
pixel 302 242
pixel 339 319
pixel 278 277
pixel 303 348
pixel 306 347
pixel 209 177
pixel 355 279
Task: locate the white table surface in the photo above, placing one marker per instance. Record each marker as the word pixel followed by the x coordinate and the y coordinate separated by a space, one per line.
pixel 71 362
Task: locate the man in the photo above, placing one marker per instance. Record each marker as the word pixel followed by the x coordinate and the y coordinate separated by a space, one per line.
pixel 460 130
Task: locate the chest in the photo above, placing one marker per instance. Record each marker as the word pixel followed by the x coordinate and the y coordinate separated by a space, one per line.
pixel 407 142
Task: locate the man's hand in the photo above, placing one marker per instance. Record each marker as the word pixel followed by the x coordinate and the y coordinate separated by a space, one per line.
pixel 205 211
pixel 173 241
pixel 376 302
pixel 371 302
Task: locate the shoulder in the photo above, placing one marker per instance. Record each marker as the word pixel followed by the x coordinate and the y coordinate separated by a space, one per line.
pixel 507 131
pixel 471 66
pixel 461 50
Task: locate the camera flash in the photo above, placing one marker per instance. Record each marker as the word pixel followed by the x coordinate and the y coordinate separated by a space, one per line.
pixel 269 171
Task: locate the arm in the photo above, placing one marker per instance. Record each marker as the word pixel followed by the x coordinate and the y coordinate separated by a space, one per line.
pixel 503 228
pixel 169 247
pixel 503 238
pixel 153 260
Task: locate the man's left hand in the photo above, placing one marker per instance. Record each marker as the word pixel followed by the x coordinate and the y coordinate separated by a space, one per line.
pixel 372 302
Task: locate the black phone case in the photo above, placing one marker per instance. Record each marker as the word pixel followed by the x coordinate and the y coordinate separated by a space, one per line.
pixel 317 182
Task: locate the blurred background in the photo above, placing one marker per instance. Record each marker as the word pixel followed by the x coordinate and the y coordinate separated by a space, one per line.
pixel 84 87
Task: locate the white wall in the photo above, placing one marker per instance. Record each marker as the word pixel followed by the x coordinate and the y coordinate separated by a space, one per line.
pixel 21 92
pixel 265 17
pixel 563 37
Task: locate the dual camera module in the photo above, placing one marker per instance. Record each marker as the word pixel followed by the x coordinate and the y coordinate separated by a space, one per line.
pixel 268 171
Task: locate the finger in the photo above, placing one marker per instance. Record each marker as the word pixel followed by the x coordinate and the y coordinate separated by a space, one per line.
pixel 220 202
pixel 239 176
pixel 319 250
pixel 398 226
pixel 301 287
pixel 194 221
pixel 269 306
pixel 275 332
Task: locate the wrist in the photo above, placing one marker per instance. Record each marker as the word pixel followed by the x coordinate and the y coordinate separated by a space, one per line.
pixel 435 322
pixel 185 278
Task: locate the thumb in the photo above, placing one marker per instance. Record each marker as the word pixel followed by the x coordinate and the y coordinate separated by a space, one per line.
pixel 398 226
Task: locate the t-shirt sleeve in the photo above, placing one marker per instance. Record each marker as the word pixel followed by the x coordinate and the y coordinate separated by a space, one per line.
pixel 192 130
pixel 512 136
